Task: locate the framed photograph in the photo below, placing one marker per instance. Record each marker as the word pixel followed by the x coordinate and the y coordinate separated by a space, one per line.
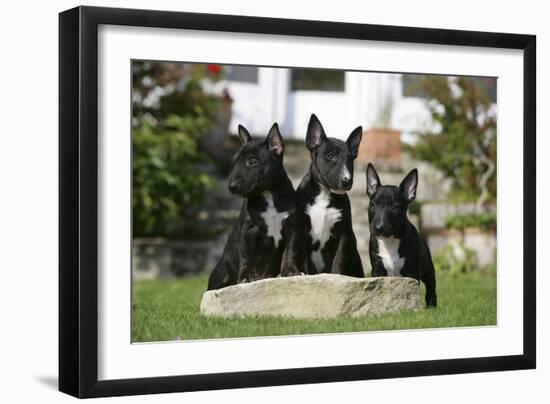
pixel 252 201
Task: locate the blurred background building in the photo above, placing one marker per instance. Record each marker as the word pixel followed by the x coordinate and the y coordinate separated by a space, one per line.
pixel 342 99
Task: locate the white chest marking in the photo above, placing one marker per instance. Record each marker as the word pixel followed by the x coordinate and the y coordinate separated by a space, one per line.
pixel 273 219
pixel 388 252
pixel 322 219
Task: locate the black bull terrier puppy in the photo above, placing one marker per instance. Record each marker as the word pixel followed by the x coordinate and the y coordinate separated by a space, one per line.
pixel 329 239
pixel 396 248
pixel 266 239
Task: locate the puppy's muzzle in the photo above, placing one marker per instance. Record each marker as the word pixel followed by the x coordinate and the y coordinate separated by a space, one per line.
pixel 346 183
pixel 233 187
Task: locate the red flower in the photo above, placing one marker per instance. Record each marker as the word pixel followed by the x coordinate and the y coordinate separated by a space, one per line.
pixel 214 69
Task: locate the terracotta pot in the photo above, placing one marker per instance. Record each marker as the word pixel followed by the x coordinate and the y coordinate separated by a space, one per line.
pixel 381 147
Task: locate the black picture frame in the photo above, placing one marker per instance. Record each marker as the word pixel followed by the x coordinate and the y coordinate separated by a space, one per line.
pixel 78 201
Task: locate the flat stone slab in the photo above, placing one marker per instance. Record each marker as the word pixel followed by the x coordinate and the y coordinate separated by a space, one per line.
pixel 314 296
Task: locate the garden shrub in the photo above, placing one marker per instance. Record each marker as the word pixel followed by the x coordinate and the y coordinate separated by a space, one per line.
pixel 485 221
pixel 170 112
pixel 455 259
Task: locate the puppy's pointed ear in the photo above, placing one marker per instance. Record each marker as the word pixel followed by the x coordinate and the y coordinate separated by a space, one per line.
pixel 354 140
pixel 315 133
pixel 244 135
pixel 373 181
pixel 408 185
pixel 275 140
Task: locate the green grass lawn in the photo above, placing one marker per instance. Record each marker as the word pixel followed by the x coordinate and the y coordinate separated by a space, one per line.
pixel 169 310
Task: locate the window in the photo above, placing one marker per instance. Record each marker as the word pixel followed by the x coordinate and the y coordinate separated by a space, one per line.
pixel 318 80
pixel 411 85
pixel 242 74
pixel 488 85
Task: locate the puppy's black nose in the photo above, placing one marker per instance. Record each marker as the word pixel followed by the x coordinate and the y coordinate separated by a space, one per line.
pixel 233 186
pixel 346 182
pixel 378 226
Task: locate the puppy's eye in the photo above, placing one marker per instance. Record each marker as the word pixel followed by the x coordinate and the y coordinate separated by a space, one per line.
pixel 331 156
pixel 395 206
pixel 252 162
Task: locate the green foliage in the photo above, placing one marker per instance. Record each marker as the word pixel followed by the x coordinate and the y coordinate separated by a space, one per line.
pixel 463 143
pixel 166 175
pixel 458 259
pixel 165 178
pixel 415 207
pixel 486 220
pixel 160 89
pixel 455 259
pixel 490 269
pixel 165 310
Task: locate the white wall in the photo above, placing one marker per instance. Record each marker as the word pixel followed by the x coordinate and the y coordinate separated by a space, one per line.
pixel 258 105
pixel 271 99
pixel 28 166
